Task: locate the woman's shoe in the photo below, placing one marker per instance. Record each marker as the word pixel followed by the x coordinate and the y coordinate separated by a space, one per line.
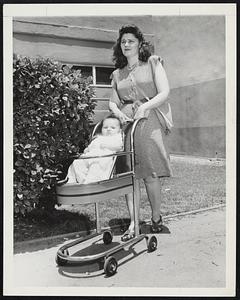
pixel 128 235
pixel 157 226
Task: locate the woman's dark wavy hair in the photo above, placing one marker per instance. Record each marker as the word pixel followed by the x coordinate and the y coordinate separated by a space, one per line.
pixel 145 50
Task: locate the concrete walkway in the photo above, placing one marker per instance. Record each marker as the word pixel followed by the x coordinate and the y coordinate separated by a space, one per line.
pixel 190 254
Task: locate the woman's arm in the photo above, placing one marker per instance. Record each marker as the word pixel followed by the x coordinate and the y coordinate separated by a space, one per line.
pixel 162 85
pixel 117 112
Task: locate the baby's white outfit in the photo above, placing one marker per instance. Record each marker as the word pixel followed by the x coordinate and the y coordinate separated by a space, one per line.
pixel 95 169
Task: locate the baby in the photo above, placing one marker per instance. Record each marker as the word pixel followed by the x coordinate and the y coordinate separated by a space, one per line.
pixel 96 169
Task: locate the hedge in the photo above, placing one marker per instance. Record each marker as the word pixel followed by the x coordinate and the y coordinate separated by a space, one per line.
pixel 52 112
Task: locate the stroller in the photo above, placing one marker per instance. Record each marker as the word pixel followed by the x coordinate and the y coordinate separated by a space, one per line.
pixel 117 185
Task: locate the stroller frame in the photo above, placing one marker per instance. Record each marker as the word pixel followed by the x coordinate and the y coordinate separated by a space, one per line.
pixel 120 184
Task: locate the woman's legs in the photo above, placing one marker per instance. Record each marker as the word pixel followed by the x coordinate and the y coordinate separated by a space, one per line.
pixel 153 187
pixel 129 199
pixel 130 233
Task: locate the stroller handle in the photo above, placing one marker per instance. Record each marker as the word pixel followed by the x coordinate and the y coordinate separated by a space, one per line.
pixel 122 153
pixel 135 123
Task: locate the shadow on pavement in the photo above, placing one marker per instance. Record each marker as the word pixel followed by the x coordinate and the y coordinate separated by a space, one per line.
pixel 42 244
pixel 119 226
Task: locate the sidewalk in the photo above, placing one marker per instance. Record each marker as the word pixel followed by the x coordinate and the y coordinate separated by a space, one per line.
pixel 190 254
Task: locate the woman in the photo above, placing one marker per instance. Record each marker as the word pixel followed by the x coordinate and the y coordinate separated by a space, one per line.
pixel 140 77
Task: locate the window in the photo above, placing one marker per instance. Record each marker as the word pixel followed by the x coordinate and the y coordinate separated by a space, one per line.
pixel 101 75
pixel 85 71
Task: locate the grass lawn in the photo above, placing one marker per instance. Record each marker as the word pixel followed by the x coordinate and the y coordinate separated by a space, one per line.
pixel 196 183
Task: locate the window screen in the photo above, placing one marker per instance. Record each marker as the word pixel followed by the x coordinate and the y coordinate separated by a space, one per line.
pixel 103 75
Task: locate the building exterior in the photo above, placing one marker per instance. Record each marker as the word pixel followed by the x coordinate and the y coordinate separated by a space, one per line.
pixel 193 49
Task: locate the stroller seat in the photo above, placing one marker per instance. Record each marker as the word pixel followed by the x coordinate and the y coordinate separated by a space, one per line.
pixel 115 184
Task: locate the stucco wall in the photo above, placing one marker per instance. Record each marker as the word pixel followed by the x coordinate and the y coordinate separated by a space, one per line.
pixel 66 50
pixel 88 40
pixel 193 49
pixel 199 117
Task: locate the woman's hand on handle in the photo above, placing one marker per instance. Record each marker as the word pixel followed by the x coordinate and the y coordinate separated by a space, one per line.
pixel 140 113
pixel 117 112
pixel 123 118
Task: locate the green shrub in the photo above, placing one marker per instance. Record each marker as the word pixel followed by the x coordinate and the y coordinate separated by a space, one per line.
pixel 52 111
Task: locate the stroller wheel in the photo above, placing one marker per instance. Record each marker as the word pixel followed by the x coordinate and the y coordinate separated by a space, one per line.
pixel 110 266
pixel 61 261
pixel 107 237
pixel 152 244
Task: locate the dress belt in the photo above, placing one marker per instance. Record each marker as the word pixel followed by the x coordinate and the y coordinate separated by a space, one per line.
pixel 125 102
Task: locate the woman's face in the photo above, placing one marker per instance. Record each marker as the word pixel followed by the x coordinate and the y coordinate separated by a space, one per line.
pixel 129 45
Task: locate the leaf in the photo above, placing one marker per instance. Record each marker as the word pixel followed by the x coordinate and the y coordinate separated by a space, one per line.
pixel 19 163
pixel 27 203
pixel 26 155
pixel 22 210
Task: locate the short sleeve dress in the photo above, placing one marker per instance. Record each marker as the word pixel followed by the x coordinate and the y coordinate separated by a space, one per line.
pixel 150 139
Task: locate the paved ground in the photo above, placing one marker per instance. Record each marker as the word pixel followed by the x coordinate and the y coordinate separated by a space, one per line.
pixel 190 254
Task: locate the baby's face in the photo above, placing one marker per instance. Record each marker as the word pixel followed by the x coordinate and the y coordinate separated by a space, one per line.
pixel 110 127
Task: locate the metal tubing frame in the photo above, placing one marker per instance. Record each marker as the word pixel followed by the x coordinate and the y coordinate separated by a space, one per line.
pixel 95 257
pixel 136 183
pixel 97 217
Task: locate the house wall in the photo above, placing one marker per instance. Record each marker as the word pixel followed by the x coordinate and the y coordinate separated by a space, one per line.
pixel 193 49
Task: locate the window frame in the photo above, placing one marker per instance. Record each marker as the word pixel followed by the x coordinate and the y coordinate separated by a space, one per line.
pixel 94 73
